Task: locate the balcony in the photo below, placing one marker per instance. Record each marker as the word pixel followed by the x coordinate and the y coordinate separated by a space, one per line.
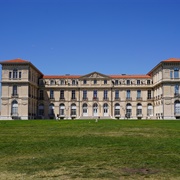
pixel 105 98
pixel 40 98
pixel 150 98
pixel 85 99
pixel 52 98
pixel 14 95
pixel 176 94
pixel 128 98
pixel 95 99
pixel 117 98
pixel 73 99
pixel 139 98
pixel 61 99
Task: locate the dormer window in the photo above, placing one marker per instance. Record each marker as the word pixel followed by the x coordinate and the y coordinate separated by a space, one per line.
pixel 105 81
pixel 116 82
pixel 95 81
pixel 128 82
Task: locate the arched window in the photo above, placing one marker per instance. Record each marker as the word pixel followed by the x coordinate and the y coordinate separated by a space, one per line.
pixel 128 110
pixel 95 109
pixel 177 107
pixel 150 110
pixel 51 109
pixel 105 109
pixel 117 109
pixel 85 109
pixel 14 108
pixel 73 109
pixel 61 109
pixel 41 109
pixel 139 109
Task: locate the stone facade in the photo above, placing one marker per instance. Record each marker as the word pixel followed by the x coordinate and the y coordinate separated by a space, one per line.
pixel 28 94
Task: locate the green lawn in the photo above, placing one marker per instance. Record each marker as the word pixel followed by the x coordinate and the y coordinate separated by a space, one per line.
pixel 85 149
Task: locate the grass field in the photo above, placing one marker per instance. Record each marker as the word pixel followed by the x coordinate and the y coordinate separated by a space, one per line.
pixel 85 149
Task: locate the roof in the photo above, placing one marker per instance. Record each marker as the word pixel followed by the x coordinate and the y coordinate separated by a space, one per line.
pixel 18 60
pixel 172 60
pixel 111 76
pixel 135 76
pixel 167 60
pixel 61 76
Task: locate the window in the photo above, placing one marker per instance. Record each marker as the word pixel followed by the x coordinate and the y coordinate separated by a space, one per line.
pixel 177 107
pixel 116 82
pixel 14 108
pixel 116 94
pixel 138 94
pixel 10 75
pixel 105 94
pixel 51 109
pixel 128 110
pixel 148 82
pixel 176 72
pixel 150 110
pixel 84 81
pixel 14 90
pixel 128 94
pixel 105 109
pixel 62 82
pixel 41 109
pixel 139 109
pixel 61 109
pixel 15 73
pixel 95 81
pixel 128 82
pixel 138 82
pixel 73 110
pixel 41 94
pixel 149 94
pixel 171 74
pixel 73 94
pixel 84 94
pixel 73 82
pixel 51 94
pixel 85 109
pixel 176 89
pixel 105 81
pixel 117 110
pixel 52 82
pixel 95 94
pixel 61 94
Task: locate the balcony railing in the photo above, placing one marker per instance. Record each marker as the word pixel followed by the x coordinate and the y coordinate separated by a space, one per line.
pixel 176 94
pixel 73 99
pixel 117 98
pixel 85 99
pixel 139 98
pixel 105 98
pixel 95 98
pixel 128 98
pixel 62 99
pixel 14 95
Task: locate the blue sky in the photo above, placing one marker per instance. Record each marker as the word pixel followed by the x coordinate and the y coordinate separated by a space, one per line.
pixel 82 36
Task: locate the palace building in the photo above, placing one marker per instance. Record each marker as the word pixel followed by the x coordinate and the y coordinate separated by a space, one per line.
pixel 29 94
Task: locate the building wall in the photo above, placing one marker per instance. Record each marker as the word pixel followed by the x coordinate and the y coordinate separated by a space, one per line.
pixel 156 91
